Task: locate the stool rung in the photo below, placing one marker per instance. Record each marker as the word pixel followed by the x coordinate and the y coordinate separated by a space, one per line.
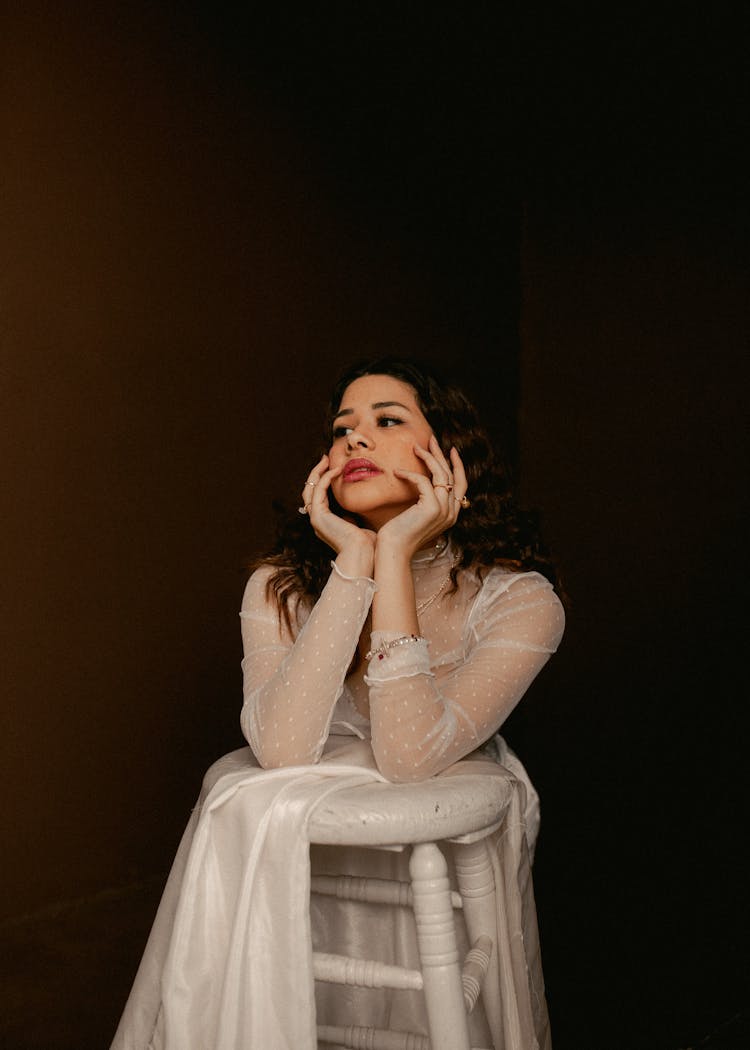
pixel 373 891
pixel 363 973
pixel 474 970
pixel 355 1037
pixel 358 1038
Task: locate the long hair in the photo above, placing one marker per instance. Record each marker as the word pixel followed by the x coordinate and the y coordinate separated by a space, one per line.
pixel 494 531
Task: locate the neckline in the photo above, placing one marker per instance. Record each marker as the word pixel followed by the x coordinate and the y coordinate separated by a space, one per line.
pixel 432 555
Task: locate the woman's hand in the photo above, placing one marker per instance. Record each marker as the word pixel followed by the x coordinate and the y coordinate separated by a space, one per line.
pixel 438 503
pixel 341 534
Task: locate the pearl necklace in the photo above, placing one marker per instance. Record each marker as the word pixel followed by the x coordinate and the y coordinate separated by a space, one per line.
pixel 428 601
pixel 439 547
pixel 436 594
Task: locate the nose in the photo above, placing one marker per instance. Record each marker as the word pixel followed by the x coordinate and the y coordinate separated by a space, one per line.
pixel 358 439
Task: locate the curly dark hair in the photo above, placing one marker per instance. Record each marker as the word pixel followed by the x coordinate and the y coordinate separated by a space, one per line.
pixel 495 531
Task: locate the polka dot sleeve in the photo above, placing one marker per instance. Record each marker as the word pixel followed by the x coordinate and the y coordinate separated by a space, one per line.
pixel 426 717
pixel 291 684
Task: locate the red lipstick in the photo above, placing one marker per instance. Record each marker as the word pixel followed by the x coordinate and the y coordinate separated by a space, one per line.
pixel 360 470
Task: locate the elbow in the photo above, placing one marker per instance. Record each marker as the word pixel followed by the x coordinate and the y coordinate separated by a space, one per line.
pixel 277 753
pixel 264 757
pixel 265 760
pixel 278 758
pixel 397 774
pixel 434 751
pixel 281 754
pixel 401 771
pixel 271 748
pixel 406 776
pixel 249 727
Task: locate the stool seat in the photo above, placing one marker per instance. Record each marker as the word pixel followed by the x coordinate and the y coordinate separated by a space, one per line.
pixel 396 814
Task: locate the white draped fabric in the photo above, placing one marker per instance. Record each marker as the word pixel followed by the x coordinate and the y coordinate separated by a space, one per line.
pixel 228 964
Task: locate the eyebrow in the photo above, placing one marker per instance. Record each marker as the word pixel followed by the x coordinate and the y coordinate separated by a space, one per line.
pixel 377 404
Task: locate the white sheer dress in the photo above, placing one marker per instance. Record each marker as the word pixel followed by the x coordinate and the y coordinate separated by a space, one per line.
pixel 228 963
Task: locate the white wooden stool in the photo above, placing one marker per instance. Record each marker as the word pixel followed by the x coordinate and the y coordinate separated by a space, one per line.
pixel 461 809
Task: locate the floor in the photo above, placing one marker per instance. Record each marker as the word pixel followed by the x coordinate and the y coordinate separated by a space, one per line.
pixel 66 973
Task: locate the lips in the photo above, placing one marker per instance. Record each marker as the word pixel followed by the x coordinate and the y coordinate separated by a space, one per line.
pixel 360 470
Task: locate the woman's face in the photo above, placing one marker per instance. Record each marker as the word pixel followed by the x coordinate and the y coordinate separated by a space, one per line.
pixel 378 424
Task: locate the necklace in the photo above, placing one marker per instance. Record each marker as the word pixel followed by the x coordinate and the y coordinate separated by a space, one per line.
pixel 430 554
pixel 428 601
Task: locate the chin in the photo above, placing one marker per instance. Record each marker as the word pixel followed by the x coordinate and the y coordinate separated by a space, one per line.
pixel 361 499
pixel 360 507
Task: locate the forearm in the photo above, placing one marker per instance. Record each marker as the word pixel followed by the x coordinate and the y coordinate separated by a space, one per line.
pixel 422 722
pixel 288 706
pixel 394 607
pixel 412 702
pixel 416 730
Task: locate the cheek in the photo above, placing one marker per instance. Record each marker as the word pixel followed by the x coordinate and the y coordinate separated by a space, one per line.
pixel 408 460
pixel 417 463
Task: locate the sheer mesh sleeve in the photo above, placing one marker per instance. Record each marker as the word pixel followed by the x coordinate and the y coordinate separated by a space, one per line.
pixel 290 685
pixel 422 721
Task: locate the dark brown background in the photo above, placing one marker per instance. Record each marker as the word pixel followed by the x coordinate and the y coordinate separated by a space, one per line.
pixel 204 218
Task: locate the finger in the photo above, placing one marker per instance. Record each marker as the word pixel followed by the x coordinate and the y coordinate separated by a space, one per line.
pixel 424 484
pixel 441 472
pixel 433 455
pixel 460 483
pixel 438 494
pixel 318 469
pixel 325 479
pixel 438 453
pixel 312 479
pixel 319 498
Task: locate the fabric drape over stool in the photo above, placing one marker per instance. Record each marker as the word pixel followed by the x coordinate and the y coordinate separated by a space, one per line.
pixel 229 960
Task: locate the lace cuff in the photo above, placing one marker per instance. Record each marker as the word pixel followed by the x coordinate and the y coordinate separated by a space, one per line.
pixel 400 661
pixel 353 579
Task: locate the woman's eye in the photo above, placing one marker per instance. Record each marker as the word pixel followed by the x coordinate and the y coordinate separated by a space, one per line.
pixel 339 432
pixel 389 421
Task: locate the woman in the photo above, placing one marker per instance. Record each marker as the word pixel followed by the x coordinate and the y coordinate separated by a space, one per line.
pixel 396 625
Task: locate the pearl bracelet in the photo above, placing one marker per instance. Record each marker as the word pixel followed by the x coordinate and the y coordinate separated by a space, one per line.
pixel 382 649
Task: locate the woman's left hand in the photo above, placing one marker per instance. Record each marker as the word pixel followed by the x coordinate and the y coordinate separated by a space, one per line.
pixel 438 503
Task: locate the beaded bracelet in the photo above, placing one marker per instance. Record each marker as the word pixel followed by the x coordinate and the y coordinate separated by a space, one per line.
pixel 382 649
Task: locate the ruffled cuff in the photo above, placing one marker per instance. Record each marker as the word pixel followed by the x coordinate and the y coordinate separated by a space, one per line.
pixel 399 661
pixel 353 579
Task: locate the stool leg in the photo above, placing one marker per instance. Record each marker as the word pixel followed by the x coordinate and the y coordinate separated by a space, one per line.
pixel 438 950
pixel 476 884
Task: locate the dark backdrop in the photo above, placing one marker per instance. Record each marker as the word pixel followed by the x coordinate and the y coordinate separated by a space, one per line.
pixel 205 217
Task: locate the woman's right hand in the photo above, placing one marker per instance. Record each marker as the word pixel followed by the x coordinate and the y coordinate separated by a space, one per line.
pixel 341 534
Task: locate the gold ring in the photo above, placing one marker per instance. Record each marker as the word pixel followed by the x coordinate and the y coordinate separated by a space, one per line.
pixel 312 484
pixel 440 485
pixel 305 509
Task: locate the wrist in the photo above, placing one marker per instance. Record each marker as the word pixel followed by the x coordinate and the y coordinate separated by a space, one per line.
pixel 392 552
pixel 356 559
